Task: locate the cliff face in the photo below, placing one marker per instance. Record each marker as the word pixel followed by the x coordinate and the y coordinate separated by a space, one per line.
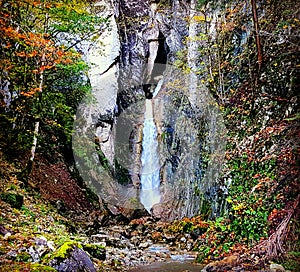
pixel 190 127
pixel 140 53
pixel 177 50
pixel 152 33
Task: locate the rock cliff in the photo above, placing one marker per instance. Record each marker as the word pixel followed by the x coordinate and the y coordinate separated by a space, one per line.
pixel 151 36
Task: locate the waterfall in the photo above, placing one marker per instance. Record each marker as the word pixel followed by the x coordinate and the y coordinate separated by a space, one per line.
pixel 150 181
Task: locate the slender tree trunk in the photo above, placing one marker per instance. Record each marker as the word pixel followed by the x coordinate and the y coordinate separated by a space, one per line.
pixel 27 170
pixel 37 123
pixel 34 142
pixel 257 38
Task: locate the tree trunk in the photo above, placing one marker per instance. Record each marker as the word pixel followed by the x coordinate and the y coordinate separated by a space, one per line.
pixel 34 142
pixel 23 176
pixel 256 31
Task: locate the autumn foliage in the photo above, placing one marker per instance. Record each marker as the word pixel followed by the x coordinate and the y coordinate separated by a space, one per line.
pixel 42 75
pixel 27 52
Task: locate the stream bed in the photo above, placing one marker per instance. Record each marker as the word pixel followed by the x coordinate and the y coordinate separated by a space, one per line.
pixel 172 266
pixel 177 263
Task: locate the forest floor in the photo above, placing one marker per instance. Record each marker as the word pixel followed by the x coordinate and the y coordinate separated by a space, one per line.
pixel 33 227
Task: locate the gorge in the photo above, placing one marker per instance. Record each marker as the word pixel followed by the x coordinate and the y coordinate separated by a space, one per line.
pixel 183 107
pixel 156 135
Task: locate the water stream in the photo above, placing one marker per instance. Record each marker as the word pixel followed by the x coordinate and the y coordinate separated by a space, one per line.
pixel 168 267
pixel 150 181
pixel 179 262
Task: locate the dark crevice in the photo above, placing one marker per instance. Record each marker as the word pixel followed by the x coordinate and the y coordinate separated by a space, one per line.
pixel 116 60
pixel 162 52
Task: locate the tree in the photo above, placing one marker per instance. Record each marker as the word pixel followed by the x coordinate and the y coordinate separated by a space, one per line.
pixel 38 41
pixel 257 37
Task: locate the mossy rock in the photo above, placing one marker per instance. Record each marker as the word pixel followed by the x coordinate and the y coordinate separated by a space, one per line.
pixel 200 258
pixel 64 251
pixel 291 261
pixel 40 267
pixel 32 267
pixel 96 251
pixel 13 199
pixel 71 257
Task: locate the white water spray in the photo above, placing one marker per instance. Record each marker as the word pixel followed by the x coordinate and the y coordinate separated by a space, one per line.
pixel 150 181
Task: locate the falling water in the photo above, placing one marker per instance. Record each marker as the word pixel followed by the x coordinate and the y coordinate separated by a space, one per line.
pixel 150 181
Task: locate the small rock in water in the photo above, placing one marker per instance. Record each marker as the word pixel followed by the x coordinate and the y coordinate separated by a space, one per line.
pixel 144 245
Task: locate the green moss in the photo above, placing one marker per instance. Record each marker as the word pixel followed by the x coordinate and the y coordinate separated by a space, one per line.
pixel 202 3
pixel 96 251
pixel 292 261
pixel 23 257
pixel 40 267
pixel 64 251
pixel 3 250
pixel 26 267
pixel 294 254
pixel 13 199
pixel 203 254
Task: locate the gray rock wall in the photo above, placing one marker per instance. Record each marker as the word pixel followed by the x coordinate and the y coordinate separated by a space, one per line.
pixel 142 34
pixel 145 27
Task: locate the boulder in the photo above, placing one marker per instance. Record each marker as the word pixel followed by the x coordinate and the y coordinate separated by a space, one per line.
pixel 71 257
pixel 40 247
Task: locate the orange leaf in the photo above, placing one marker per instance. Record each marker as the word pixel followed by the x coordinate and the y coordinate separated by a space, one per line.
pixel 21 54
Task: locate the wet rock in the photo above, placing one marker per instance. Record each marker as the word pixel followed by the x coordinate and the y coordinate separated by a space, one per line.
pixel 133 8
pixel 162 212
pixel 11 255
pixel 99 237
pixel 113 239
pixel 5 95
pixel 190 244
pixel 144 245
pixel 183 239
pixel 135 213
pixel 195 233
pixel 222 265
pixel 169 237
pixel 133 244
pixel 135 240
pixel 276 267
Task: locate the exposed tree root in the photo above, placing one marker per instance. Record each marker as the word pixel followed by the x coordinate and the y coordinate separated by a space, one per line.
pixel 273 246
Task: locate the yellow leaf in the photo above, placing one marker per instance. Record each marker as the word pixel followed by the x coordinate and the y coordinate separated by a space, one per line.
pixel 199 18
